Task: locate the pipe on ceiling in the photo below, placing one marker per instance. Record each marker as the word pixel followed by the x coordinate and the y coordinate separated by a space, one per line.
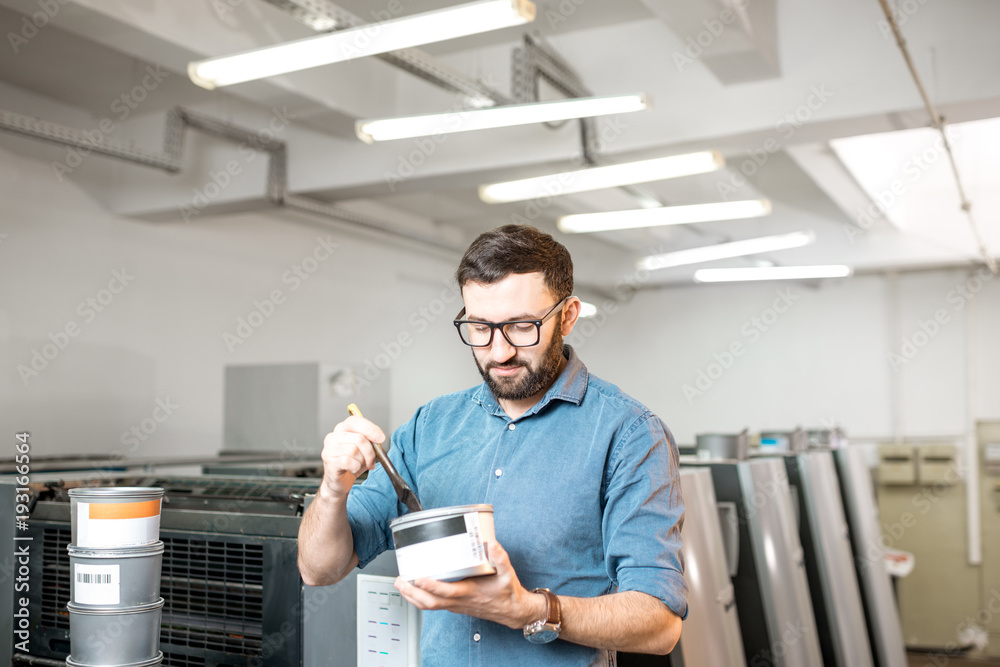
pixel 938 122
pixel 171 159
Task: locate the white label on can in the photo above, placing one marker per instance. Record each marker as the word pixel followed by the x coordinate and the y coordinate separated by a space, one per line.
pixel 435 558
pixel 96 584
pixel 109 525
pixel 475 537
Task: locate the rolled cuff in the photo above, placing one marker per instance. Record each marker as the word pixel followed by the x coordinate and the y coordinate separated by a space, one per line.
pixel 666 585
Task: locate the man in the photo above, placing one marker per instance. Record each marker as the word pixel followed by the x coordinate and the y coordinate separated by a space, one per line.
pixel 583 480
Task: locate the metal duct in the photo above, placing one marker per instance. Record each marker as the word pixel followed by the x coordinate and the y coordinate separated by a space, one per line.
pixel 170 160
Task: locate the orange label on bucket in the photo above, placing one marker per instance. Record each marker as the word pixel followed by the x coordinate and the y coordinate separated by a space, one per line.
pixel 141 510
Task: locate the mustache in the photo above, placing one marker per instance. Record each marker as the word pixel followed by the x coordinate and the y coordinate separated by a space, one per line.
pixel 510 363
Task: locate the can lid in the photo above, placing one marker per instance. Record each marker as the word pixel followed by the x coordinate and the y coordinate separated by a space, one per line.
pixel 438 513
pixel 151 549
pixel 96 610
pixel 116 492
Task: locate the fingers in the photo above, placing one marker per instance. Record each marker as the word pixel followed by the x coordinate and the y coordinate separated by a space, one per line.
pixel 355 424
pixel 497 555
pixel 348 452
pixel 418 597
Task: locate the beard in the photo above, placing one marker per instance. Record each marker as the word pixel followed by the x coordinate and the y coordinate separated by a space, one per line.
pixel 539 376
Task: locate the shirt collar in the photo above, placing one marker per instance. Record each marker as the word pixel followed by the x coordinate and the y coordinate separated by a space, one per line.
pixel 570 386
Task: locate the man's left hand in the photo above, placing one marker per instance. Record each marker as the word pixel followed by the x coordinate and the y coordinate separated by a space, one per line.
pixel 498 597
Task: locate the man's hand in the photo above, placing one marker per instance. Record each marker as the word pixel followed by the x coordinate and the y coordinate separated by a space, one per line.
pixel 498 597
pixel 348 452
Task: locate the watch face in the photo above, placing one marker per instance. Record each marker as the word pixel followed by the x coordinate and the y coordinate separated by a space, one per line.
pixel 543 636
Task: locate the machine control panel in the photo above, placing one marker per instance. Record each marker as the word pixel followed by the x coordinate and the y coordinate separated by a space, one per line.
pixel 388 625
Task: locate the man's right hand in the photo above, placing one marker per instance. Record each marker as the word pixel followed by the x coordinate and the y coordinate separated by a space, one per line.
pixel 348 452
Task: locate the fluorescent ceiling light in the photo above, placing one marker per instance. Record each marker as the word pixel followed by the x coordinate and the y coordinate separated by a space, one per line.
pixel 596 178
pixel 587 309
pixel 387 129
pixel 726 250
pixel 366 40
pixel 772 273
pixel 665 215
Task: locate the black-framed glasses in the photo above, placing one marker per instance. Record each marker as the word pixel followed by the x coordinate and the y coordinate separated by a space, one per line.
pixel 519 333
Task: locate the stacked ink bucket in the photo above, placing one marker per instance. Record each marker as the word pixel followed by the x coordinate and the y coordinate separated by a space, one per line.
pixel 115 560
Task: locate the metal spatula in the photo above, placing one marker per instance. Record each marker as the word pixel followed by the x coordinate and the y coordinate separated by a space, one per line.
pixel 403 490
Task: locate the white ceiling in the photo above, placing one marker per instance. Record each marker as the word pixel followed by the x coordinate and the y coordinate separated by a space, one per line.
pixel 740 95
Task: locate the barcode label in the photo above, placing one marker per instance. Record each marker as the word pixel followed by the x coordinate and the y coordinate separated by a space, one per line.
pixel 96 584
pixel 472 528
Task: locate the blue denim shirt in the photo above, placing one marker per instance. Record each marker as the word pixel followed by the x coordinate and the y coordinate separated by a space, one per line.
pixel 586 497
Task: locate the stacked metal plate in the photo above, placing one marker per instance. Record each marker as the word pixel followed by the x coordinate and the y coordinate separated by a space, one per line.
pixel 115 561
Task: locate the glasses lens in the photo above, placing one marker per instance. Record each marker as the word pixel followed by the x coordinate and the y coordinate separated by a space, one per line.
pixel 521 334
pixel 475 334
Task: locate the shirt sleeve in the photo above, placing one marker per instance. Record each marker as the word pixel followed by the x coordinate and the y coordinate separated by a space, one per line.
pixel 372 504
pixel 643 514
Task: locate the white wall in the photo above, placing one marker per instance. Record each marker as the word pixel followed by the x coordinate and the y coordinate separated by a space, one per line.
pixel 162 336
pixel 823 361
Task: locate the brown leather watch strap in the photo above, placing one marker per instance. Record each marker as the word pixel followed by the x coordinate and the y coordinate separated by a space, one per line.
pixel 553 612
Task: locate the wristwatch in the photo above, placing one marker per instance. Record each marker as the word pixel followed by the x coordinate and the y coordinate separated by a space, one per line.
pixel 548 628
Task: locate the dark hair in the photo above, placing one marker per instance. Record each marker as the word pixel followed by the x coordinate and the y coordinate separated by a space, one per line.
pixel 496 254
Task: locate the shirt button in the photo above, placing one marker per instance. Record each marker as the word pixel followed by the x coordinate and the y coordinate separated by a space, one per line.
pixel 511 426
pixel 498 472
pixel 476 637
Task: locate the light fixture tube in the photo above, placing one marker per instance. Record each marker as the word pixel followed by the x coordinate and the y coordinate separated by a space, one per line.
pixel 772 273
pixel 597 178
pixel 665 215
pixel 726 250
pixel 387 129
pixel 367 40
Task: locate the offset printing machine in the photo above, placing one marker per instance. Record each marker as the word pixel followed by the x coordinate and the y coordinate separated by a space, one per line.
pixel 229 576
pixel 711 634
pixel 881 613
pixel 829 559
pixel 775 609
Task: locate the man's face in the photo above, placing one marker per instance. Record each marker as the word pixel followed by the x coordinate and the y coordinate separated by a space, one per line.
pixel 515 373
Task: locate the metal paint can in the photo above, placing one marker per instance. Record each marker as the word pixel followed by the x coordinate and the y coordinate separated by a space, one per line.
pixel 444 543
pixel 122 578
pixel 145 663
pixel 106 636
pixel 114 517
